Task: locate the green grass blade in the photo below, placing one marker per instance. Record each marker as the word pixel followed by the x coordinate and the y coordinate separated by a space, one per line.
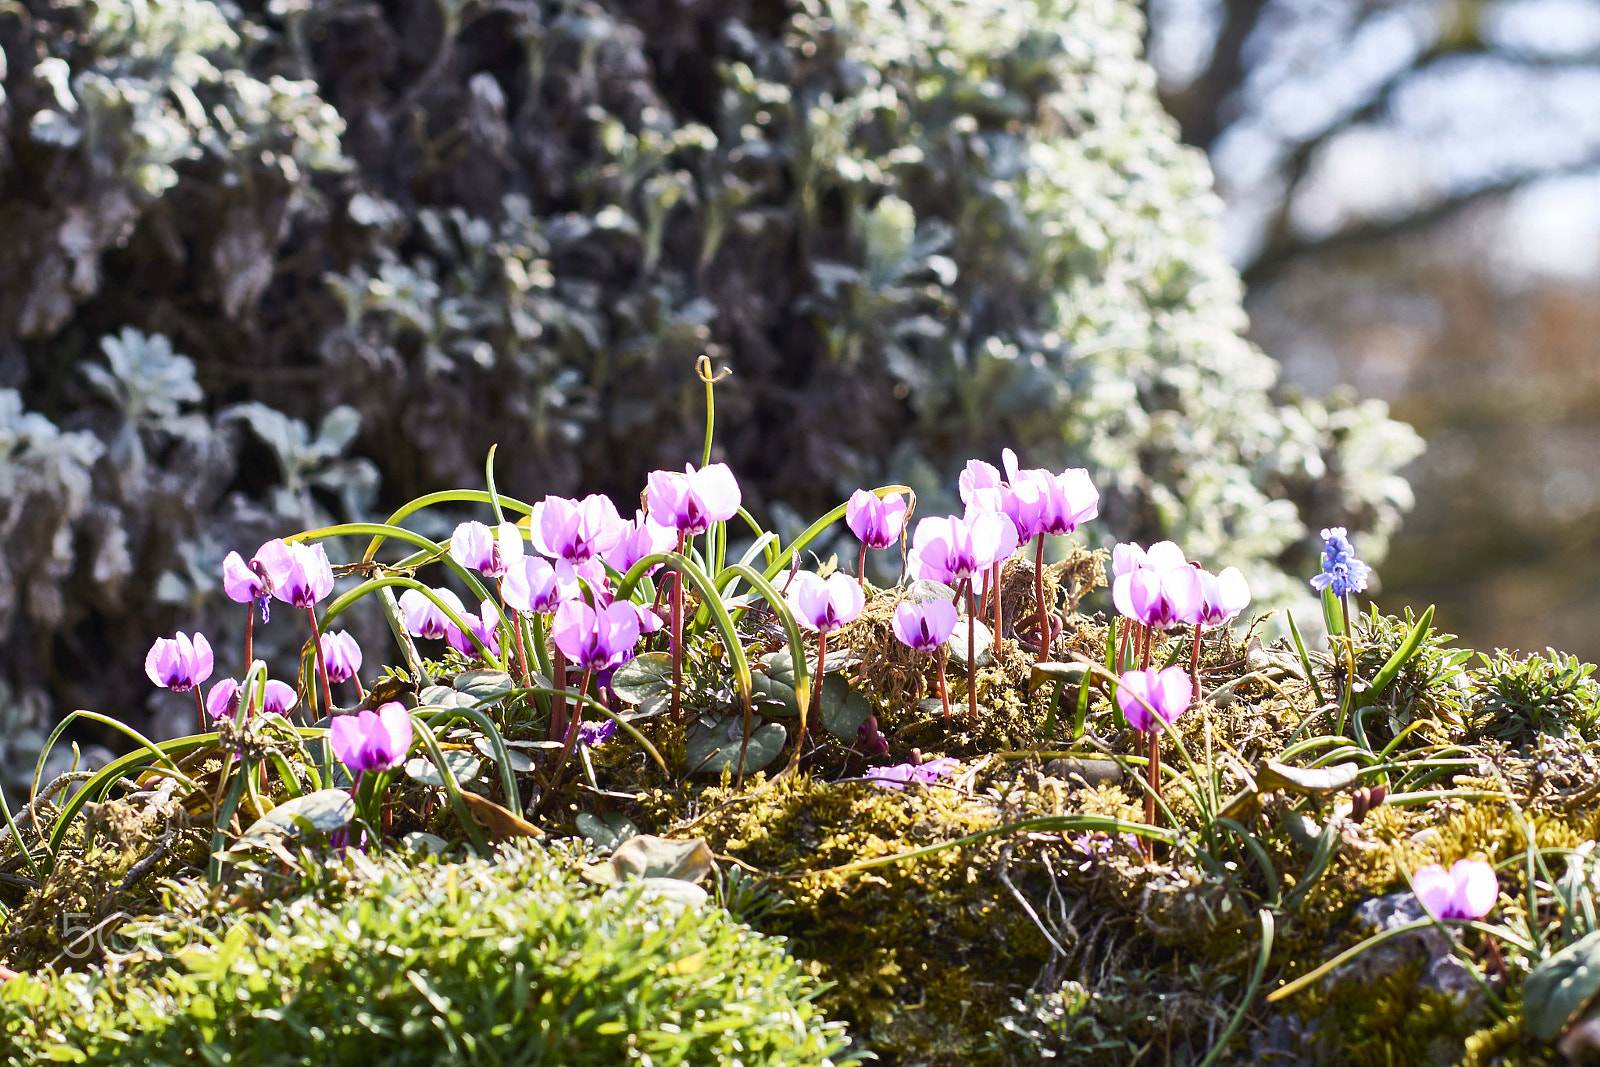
pixel 1305 660
pixel 1402 655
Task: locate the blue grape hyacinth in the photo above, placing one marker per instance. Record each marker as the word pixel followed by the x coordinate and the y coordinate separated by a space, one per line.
pixel 1341 571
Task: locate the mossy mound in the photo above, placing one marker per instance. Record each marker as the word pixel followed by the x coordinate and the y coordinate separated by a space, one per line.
pixel 1004 914
pixel 401 960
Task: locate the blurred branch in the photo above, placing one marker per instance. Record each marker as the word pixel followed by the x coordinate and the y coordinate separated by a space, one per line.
pixel 1204 107
pixel 1274 260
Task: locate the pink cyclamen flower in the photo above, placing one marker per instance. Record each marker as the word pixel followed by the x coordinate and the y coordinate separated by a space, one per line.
pixel 1165 592
pixel 244 582
pixel 537 586
pixel 179 662
pixel 424 618
pixel 641 537
pixel 876 521
pixel 223 700
pixel 1223 596
pixel 976 478
pixel 1126 558
pixel 372 740
pixel 825 605
pixel 575 530
pixel 950 549
pixel 690 502
pixel 1468 890
pixel 485 624
pixel 902 774
pixel 1050 503
pixel 649 621
pixel 596 640
pixel 926 626
pixel 341 656
pixel 1167 693
pixel 490 552
pixel 300 573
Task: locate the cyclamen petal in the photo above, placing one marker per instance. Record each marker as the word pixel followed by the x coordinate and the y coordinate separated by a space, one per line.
pixel 341 655
pixel 900 775
pixel 596 640
pixel 575 530
pixel 241 582
pixel 1468 890
pixel 1223 596
pixel 490 552
pixel 825 605
pixel 641 537
pixel 1126 558
pixel 1166 693
pixel 690 502
pixel 538 586
pixel 423 617
pixel 179 662
pixel 300 573
pixel 372 741
pixel 876 522
pixel 924 626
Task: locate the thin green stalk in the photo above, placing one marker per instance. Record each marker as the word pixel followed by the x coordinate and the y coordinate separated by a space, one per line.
pixel 1263 954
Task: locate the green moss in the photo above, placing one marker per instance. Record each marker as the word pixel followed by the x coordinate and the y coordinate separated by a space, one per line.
pixel 391 961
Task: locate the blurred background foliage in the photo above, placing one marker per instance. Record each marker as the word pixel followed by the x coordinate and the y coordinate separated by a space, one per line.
pixel 270 265
pixel 1412 191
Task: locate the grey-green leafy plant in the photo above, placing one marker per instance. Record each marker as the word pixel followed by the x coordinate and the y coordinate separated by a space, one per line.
pixel 1521 697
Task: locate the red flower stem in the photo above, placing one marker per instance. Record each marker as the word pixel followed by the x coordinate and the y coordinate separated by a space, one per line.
pixel 972 659
pixel 822 661
pixel 558 704
pixel 200 709
pixel 1194 663
pixel 1038 596
pixel 572 731
pixel 1149 634
pixel 1122 652
pixel 944 690
pixel 361 690
pixel 861 568
pixel 1154 768
pixel 677 637
pixel 998 611
pixel 322 667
